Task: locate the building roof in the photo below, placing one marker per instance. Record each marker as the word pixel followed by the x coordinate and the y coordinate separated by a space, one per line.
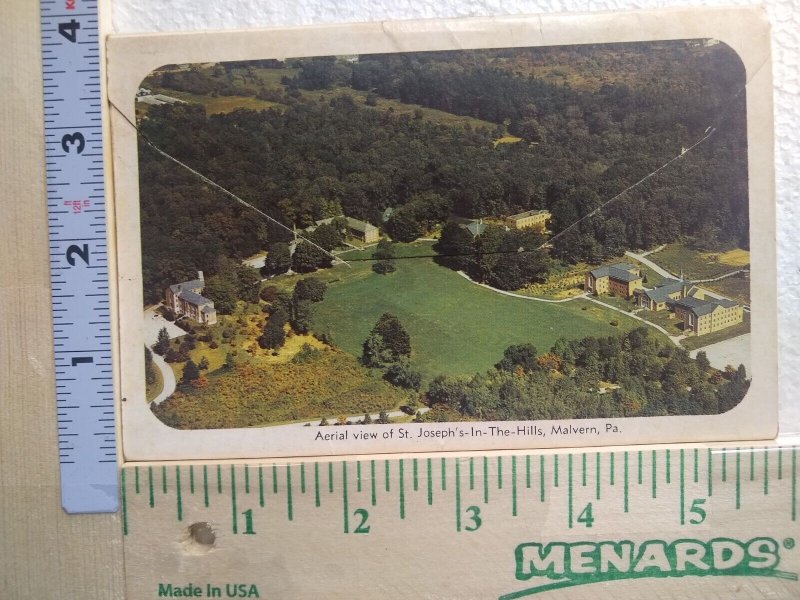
pixel 619 271
pixel 661 293
pixel 208 308
pixel 359 225
pixel 476 228
pixel 529 213
pixel 194 284
pixel 193 298
pixel 703 307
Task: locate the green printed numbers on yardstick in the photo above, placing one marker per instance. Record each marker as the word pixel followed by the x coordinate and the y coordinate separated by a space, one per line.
pixel 473 493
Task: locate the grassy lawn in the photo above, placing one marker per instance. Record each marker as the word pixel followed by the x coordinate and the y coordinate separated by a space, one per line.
pixel 664 318
pixel 221 104
pixel 736 287
pixel 332 383
pixel 695 265
pixel 507 139
pixel 698 341
pixel 455 326
pixel 152 390
pixel 400 108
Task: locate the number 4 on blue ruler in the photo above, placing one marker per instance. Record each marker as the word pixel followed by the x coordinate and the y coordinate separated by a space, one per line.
pixel 78 261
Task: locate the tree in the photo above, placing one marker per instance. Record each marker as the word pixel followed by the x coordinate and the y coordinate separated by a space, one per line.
pixel 162 344
pixel 273 336
pixel 374 353
pixel 403 226
pixel 327 236
pixel 278 259
pixel 222 290
pixel 702 361
pixel 307 258
pixel 302 316
pixel 203 364
pixel 384 257
pixel 190 372
pixel 149 368
pixel 310 289
pixel 519 356
pixel 402 375
pixel 455 247
pixel 396 340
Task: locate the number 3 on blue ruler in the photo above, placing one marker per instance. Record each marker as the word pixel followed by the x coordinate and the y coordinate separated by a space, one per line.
pixel 78 261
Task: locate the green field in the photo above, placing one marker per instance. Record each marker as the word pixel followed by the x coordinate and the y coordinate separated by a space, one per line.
pixel 455 326
pixel 695 265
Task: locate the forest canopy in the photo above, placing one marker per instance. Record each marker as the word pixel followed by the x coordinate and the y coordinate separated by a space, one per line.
pixel 619 112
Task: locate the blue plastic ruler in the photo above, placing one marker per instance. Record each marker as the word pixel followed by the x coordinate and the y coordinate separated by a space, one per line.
pixel 78 259
pixel 633 523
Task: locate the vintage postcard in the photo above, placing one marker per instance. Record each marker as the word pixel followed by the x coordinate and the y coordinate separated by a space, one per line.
pixel 458 235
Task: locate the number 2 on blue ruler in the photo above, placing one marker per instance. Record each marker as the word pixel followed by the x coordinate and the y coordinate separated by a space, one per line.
pixel 78 260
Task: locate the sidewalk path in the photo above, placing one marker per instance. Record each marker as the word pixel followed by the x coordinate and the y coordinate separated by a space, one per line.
pixel 649 263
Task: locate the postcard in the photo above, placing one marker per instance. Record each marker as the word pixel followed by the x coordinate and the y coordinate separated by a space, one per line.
pixel 448 235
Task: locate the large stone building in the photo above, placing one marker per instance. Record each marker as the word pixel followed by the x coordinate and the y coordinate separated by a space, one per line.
pixel 185 299
pixel 701 316
pixel 362 230
pixel 532 218
pixel 620 280
pixel 697 309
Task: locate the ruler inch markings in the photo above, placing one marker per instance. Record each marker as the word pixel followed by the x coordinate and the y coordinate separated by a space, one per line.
pixel 71 72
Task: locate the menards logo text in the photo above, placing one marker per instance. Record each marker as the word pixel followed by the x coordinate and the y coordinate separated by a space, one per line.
pixel 580 563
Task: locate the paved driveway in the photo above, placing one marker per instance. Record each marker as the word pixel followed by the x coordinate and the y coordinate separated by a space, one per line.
pixel 735 352
pixel 153 322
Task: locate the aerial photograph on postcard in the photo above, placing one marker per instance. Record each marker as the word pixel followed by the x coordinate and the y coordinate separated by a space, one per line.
pixel 475 235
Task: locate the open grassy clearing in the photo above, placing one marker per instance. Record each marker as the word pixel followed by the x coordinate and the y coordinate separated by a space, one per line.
pixel 507 139
pixel 220 104
pixel 331 382
pixel 736 287
pixel 400 108
pixel 695 265
pixel 664 318
pixel 456 327
pixel 733 258
pixel 152 390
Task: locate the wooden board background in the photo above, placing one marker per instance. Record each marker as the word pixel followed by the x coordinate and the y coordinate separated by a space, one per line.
pixel 43 552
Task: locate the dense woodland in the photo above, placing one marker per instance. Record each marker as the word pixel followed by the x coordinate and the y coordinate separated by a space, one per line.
pixel 651 377
pixel 621 112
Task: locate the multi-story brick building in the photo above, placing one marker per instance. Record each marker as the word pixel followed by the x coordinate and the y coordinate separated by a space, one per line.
pixel 185 299
pixel 620 280
pixel 707 315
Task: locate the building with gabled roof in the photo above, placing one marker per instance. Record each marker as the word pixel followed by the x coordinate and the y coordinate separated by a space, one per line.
pixel 529 218
pixel 185 299
pixel 701 316
pixel 366 232
pixel 670 289
pixel 620 279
